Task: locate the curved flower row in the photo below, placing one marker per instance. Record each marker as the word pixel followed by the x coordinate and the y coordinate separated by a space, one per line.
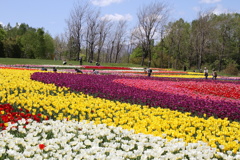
pixel 80 140
pixel 219 89
pixel 106 67
pixel 17 88
pixel 205 90
pixel 112 88
pixel 180 76
pixel 10 115
pixel 17 68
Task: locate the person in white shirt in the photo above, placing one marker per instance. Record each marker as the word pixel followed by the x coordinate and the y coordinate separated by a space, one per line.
pixel 205 71
pixel 95 72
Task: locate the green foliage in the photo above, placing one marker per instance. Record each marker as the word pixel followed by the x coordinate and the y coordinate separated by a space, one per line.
pixel 23 41
pixel 211 39
pixel 28 48
pixel 3 34
pixel 137 52
pixel 232 69
pixel 136 56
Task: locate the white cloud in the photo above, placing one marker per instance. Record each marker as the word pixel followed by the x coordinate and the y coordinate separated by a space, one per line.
pixel 1 23
pixel 219 10
pixel 103 3
pixel 117 17
pixel 210 1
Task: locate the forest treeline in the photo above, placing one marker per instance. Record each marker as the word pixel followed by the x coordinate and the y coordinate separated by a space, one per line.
pixel 22 41
pixel 211 40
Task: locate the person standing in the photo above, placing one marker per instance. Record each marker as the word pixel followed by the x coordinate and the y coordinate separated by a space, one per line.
pixel 149 72
pixel 184 68
pixel 205 71
pixel 80 60
pixel 214 74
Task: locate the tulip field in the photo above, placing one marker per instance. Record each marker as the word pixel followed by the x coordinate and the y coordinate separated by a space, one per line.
pixel 118 114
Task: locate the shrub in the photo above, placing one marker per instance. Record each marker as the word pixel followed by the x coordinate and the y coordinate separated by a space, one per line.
pixel 231 69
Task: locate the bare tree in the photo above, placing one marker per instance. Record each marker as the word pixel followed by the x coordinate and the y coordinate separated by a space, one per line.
pixel 103 30
pixel 60 44
pixel 120 37
pixel 150 20
pixel 201 32
pixel 111 44
pixel 76 23
pixel 92 29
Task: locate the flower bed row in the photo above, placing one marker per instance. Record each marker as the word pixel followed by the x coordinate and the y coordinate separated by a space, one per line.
pixel 114 88
pixel 9 114
pixel 106 67
pixel 81 140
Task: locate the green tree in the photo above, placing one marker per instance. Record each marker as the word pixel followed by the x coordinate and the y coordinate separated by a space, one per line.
pixel 41 47
pixel 49 44
pixel 3 34
pixel 12 48
pixel 29 44
pixel 177 42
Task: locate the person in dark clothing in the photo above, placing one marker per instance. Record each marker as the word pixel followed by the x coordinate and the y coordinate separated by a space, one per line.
pixel 54 69
pixel 78 70
pixel 149 71
pixel 44 69
pixel 97 64
pixel 184 68
pixel 205 71
pixel 214 74
pixel 80 60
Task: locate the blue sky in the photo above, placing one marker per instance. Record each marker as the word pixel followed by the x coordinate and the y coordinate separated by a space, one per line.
pixel 52 14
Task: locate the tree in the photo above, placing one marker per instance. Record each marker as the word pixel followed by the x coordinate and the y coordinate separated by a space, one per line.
pixel 3 34
pixel 60 45
pixel 111 44
pixel 49 46
pixel 76 23
pixel 41 48
pixel 120 37
pixel 92 29
pixel 150 20
pixel 177 40
pixel 201 30
pixel 12 48
pixel 103 31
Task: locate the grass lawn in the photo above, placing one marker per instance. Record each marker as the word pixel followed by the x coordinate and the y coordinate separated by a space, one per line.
pixel 11 61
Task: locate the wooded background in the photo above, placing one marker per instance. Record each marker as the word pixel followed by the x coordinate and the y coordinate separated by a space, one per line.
pixel 210 40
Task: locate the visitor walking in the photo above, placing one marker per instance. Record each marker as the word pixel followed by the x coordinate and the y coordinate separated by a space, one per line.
pixel 184 68
pixel 149 71
pixel 205 71
pixel 214 74
pixel 80 60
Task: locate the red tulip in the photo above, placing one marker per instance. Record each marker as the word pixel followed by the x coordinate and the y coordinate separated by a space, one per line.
pixel 41 146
